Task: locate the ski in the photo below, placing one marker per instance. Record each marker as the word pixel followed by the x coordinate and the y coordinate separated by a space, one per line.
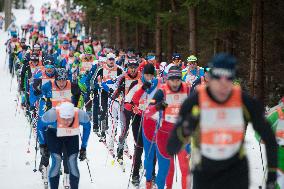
pixel 44 176
pixel 110 151
pixel 66 183
pixel 125 152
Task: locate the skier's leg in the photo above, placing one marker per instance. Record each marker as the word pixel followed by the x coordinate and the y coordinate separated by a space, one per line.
pixel 95 111
pixel 280 171
pixel 125 120
pixel 149 153
pixel 170 175
pixel 72 150
pixel 104 115
pixel 138 147
pixel 54 145
pixel 65 160
pixel 164 165
pixel 183 163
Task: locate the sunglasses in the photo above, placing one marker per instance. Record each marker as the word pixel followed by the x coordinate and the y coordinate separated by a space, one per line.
pixel 132 67
pixel 111 59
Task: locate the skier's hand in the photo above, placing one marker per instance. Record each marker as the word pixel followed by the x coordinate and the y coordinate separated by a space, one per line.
pixel 146 85
pixel 110 91
pixel 135 110
pixel 43 149
pixel 161 105
pixel 83 154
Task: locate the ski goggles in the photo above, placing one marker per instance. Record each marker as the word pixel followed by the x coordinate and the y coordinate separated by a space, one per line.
pixel 49 66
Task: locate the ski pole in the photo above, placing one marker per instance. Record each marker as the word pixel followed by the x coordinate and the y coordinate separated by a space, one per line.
pixel 87 161
pixel 152 141
pixel 36 149
pixel 136 147
pixel 260 149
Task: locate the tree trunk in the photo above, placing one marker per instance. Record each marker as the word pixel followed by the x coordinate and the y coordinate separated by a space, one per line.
pixel 137 36
pixel 118 32
pixel 110 33
pixel 8 13
pixel 252 49
pixel 259 52
pixel 192 30
pixel 216 42
pixel 158 33
pixel 170 41
pixel 68 5
pixel 125 35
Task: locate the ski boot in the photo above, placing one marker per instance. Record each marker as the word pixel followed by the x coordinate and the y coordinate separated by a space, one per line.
pixel 103 137
pixel 119 154
pixel 135 180
pixel 66 182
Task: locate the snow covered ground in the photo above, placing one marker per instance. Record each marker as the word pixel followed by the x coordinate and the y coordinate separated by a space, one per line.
pixel 16 165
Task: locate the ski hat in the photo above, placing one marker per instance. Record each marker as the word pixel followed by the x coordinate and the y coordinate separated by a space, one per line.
pixel 102 59
pixel 34 57
pixel 110 56
pixel 66 110
pixel 36 47
pixel 133 62
pixel 223 64
pixel 88 50
pixel 191 58
pixel 151 57
pixel 176 56
pixel 174 73
pixel 149 69
pixel 60 74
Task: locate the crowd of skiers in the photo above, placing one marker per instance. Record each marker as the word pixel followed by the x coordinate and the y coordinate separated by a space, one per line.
pixel 176 110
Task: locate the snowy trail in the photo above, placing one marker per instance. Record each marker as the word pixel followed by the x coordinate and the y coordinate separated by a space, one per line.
pixel 16 165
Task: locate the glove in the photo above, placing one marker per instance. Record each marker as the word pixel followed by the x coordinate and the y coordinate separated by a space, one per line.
pixel 271 180
pixel 43 150
pixel 161 106
pixel 48 104
pixel 83 154
pixel 37 87
pixel 110 91
pixel 135 110
pixel 146 85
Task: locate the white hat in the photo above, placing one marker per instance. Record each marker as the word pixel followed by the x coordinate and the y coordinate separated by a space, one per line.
pixel 66 110
pixel 102 59
pixel 110 55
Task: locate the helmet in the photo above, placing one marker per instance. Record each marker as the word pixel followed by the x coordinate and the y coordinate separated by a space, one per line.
pixel 176 56
pixel 65 42
pixel 36 47
pixel 191 58
pixel 88 50
pixel 34 57
pixel 61 74
pixel 77 54
pixel 48 60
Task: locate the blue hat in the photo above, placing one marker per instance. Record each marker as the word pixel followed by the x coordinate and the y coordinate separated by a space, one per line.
pixel 223 64
pixel 176 56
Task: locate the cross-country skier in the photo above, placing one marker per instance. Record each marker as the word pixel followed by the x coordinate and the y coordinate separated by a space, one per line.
pixel 168 99
pixel 61 128
pixel 216 117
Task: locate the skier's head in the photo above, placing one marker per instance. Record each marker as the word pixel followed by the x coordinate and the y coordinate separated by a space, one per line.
pixel 110 59
pixel 192 62
pixel 49 66
pixel 36 48
pixel 174 78
pixel 148 72
pixel 23 41
pixel 34 58
pixel 151 58
pixel 222 72
pixel 176 59
pixel 61 77
pixel 66 113
pixel 65 45
pixel 132 67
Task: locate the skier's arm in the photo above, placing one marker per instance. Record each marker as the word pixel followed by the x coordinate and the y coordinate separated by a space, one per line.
pixel 48 119
pixel 120 84
pixel 137 95
pixel 84 120
pixel 158 97
pixel 261 126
